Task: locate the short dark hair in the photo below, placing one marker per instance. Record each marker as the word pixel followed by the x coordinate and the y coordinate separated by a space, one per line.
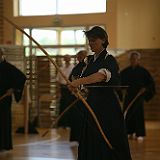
pixel 98 32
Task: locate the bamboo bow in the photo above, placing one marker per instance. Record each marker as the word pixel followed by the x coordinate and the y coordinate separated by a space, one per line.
pixel 133 100
pixel 60 116
pixel 3 96
pixel 77 94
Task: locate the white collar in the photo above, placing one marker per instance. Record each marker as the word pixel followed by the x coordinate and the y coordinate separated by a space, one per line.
pixel 97 55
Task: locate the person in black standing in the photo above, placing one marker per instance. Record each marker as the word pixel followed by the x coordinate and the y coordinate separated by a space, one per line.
pixel 101 73
pixel 139 80
pixel 76 112
pixel 12 82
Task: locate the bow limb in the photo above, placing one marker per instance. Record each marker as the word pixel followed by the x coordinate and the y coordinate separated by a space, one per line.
pixel 60 116
pixel 133 100
pixel 2 97
pixel 39 46
pixel 77 94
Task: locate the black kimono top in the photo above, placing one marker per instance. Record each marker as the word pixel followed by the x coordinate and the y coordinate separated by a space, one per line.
pixel 77 70
pixel 11 77
pixel 104 61
pixel 137 78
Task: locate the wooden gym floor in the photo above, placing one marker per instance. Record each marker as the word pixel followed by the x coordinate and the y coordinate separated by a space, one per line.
pixel 55 146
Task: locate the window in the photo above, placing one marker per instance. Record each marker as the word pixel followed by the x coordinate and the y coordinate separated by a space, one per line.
pixel 67 37
pixel 56 41
pixel 37 7
pixel 72 37
pixel 45 36
pixel 81 6
pixel 53 7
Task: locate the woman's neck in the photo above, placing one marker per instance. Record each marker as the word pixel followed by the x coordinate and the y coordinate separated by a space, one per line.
pixel 100 51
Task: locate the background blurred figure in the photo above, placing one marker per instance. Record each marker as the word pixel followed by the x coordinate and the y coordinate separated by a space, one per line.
pixel 12 81
pixel 76 112
pixel 77 70
pixel 137 78
pixel 66 68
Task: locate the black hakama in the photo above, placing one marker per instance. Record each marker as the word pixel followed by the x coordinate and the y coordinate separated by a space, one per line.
pixel 10 77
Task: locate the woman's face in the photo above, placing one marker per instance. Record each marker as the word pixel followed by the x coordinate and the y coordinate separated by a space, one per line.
pixel 96 44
